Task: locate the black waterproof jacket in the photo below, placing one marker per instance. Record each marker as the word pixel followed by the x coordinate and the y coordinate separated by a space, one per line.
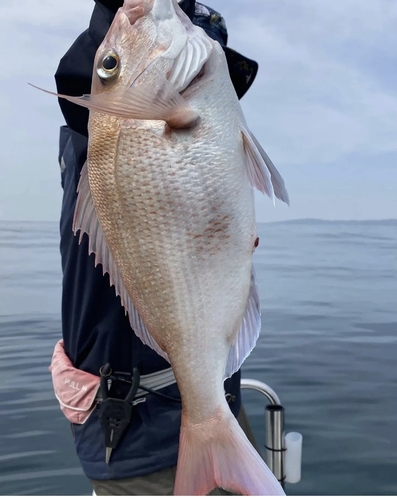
pixel 95 328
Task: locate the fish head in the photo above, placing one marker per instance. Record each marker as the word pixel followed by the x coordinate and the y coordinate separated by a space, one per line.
pixel 144 34
pixel 149 56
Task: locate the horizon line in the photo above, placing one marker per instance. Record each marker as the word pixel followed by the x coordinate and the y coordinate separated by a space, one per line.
pixel 302 219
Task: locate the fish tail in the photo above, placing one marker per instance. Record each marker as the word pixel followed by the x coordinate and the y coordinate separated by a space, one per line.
pixel 217 454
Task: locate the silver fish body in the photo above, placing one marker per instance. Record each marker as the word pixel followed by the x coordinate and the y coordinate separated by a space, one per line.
pixel 181 230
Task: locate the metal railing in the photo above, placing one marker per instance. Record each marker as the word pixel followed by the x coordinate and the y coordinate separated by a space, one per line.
pixel 284 467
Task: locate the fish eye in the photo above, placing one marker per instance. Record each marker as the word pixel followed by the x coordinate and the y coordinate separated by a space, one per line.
pixel 108 66
pixel 109 63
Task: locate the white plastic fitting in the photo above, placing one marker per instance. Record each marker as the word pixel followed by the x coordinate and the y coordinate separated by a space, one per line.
pixel 293 457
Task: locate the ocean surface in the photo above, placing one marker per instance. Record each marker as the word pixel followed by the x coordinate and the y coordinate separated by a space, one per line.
pixel 328 348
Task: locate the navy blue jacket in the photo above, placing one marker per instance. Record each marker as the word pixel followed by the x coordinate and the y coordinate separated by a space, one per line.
pixel 95 328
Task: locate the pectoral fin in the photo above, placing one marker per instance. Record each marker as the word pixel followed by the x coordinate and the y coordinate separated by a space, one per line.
pixel 191 59
pixel 157 101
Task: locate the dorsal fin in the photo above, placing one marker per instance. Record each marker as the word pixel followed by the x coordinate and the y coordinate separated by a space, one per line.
pixel 86 221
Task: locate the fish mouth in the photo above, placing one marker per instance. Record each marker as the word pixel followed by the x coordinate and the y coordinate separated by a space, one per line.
pixel 135 9
pixel 159 9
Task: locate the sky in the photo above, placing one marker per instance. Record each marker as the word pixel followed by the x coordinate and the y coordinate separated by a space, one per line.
pixel 324 104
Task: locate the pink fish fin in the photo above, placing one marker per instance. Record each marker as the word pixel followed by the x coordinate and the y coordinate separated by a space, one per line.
pixel 249 331
pixel 262 173
pixel 149 101
pixel 191 59
pixel 86 221
pixel 217 454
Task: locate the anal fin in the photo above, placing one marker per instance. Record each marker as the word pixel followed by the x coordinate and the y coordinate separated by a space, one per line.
pixel 248 333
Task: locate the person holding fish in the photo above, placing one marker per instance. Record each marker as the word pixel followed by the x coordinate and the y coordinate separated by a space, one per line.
pixel 164 165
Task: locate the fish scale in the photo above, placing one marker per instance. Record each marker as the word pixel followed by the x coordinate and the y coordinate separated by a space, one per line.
pixel 184 311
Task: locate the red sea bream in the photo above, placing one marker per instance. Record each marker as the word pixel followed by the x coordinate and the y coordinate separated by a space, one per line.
pixel 166 198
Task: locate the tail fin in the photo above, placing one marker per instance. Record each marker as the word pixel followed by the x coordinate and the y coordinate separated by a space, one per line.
pixel 216 453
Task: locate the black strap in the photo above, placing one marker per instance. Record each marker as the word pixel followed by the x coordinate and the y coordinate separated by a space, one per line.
pixel 276 451
pixel 112 5
pixel 187 6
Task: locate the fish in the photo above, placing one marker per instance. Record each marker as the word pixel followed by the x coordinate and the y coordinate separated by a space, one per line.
pixel 166 198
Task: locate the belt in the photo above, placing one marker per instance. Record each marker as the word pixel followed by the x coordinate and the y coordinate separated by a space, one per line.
pixel 153 381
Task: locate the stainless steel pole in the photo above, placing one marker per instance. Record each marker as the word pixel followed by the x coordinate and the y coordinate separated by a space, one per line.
pixel 275 440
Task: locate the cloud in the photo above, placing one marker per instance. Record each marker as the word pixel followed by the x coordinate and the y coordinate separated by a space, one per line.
pixel 38 33
pixel 324 104
pixel 320 101
pixel 46 12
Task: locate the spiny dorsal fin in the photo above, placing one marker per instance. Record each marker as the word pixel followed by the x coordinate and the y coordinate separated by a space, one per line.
pixel 86 221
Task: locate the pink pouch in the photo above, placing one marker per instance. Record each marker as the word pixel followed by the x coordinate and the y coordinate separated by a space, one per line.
pixel 75 389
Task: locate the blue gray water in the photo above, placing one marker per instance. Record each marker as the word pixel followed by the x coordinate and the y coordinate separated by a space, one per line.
pixel 328 348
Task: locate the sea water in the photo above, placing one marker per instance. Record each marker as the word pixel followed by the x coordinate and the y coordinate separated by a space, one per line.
pixel 328 347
